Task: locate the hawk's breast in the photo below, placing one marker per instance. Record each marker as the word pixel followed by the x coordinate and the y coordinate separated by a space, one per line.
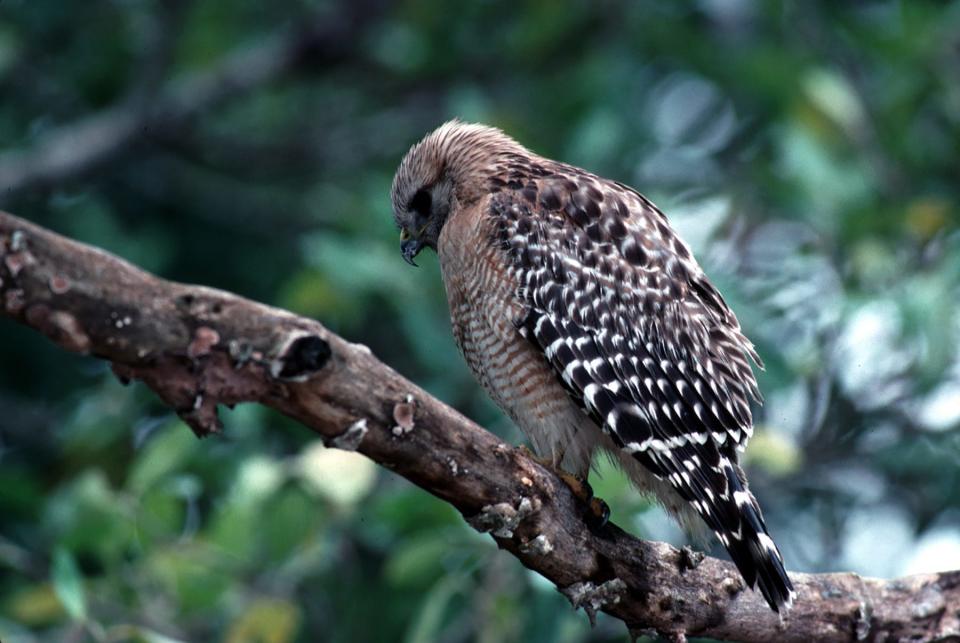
pixel 485 313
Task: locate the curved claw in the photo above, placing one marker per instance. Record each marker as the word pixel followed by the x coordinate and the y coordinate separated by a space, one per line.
pixel 599 513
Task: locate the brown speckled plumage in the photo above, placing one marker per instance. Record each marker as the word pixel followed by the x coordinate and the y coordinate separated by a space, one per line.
pixel 592 326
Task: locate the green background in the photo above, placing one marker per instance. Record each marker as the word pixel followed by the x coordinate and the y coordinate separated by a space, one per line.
pixel 809 152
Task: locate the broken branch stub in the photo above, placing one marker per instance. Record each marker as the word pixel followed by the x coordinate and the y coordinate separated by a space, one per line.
pixel 196 347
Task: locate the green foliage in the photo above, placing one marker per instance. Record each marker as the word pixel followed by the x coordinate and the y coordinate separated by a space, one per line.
pixel 808 151
pixel 68 584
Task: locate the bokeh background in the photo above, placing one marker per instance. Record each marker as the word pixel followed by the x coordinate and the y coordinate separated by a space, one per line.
pixel 809 151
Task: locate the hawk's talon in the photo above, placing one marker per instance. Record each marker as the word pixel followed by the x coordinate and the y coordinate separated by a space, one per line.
pixel 598 512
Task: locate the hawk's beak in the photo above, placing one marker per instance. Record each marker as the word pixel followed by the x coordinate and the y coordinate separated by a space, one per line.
pixel 410 248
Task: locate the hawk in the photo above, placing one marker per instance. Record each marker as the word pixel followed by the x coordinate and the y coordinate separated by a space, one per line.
pixel 589 322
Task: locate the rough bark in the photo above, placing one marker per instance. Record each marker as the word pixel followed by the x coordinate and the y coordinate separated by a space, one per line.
pixel 197 347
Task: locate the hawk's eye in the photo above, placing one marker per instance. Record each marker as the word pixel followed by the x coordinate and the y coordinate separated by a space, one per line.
pixel 421 203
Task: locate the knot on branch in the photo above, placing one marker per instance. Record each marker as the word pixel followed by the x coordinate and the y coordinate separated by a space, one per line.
pixel 202 418
pixel 19 256
pixel 502 519
pixel 689 559
pixel 863 621
pixel 403 415
pixel 204 339
pixel 539 546
pixel 60 326
pixel 593 598
pixel 305 355
pixel 350 439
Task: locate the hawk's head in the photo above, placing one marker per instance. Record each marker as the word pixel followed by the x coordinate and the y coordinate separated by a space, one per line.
pixel 439 173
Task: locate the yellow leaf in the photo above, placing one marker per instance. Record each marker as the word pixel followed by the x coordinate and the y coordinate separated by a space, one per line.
pixel 926 216
pixel 266 620
pixel 36 605
pixel 773 451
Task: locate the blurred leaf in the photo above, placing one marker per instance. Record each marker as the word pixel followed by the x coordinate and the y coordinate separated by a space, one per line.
pixel 89 516
pixel 168 450
pixel 258 479
pixel 91 218
pixel 234 527
pixel 192 575
pixel 429 619
pixel 834 96
pixel 342 477
pixel 266 620
pixel 408 510
pixel 160 516
pixel 20 493
pixel 208 32
pixel 828 183
pixel 35 605
pixel 309 293
pixel 293 526
pixel 927 216
pixel 773 451
pixel 233 530
pixel 138 634
pixel 68 584
pixel 9 48
pixel 417 560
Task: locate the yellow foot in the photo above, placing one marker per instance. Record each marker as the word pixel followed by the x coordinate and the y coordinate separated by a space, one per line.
pixel 598 513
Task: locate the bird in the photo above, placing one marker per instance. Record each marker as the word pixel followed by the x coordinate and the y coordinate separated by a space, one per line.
pixel 589 322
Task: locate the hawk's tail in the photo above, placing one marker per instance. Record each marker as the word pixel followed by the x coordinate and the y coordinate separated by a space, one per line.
pixel 753 550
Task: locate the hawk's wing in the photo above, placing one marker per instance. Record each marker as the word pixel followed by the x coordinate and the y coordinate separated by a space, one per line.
pixel 644 342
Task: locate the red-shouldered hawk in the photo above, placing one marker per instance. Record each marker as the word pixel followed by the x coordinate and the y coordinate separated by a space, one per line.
pixel 579 309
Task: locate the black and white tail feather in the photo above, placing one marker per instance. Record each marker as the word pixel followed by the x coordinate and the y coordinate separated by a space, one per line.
pixel 644 343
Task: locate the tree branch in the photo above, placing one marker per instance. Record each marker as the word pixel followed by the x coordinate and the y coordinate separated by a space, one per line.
pixel 198 347
pixel 80 147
